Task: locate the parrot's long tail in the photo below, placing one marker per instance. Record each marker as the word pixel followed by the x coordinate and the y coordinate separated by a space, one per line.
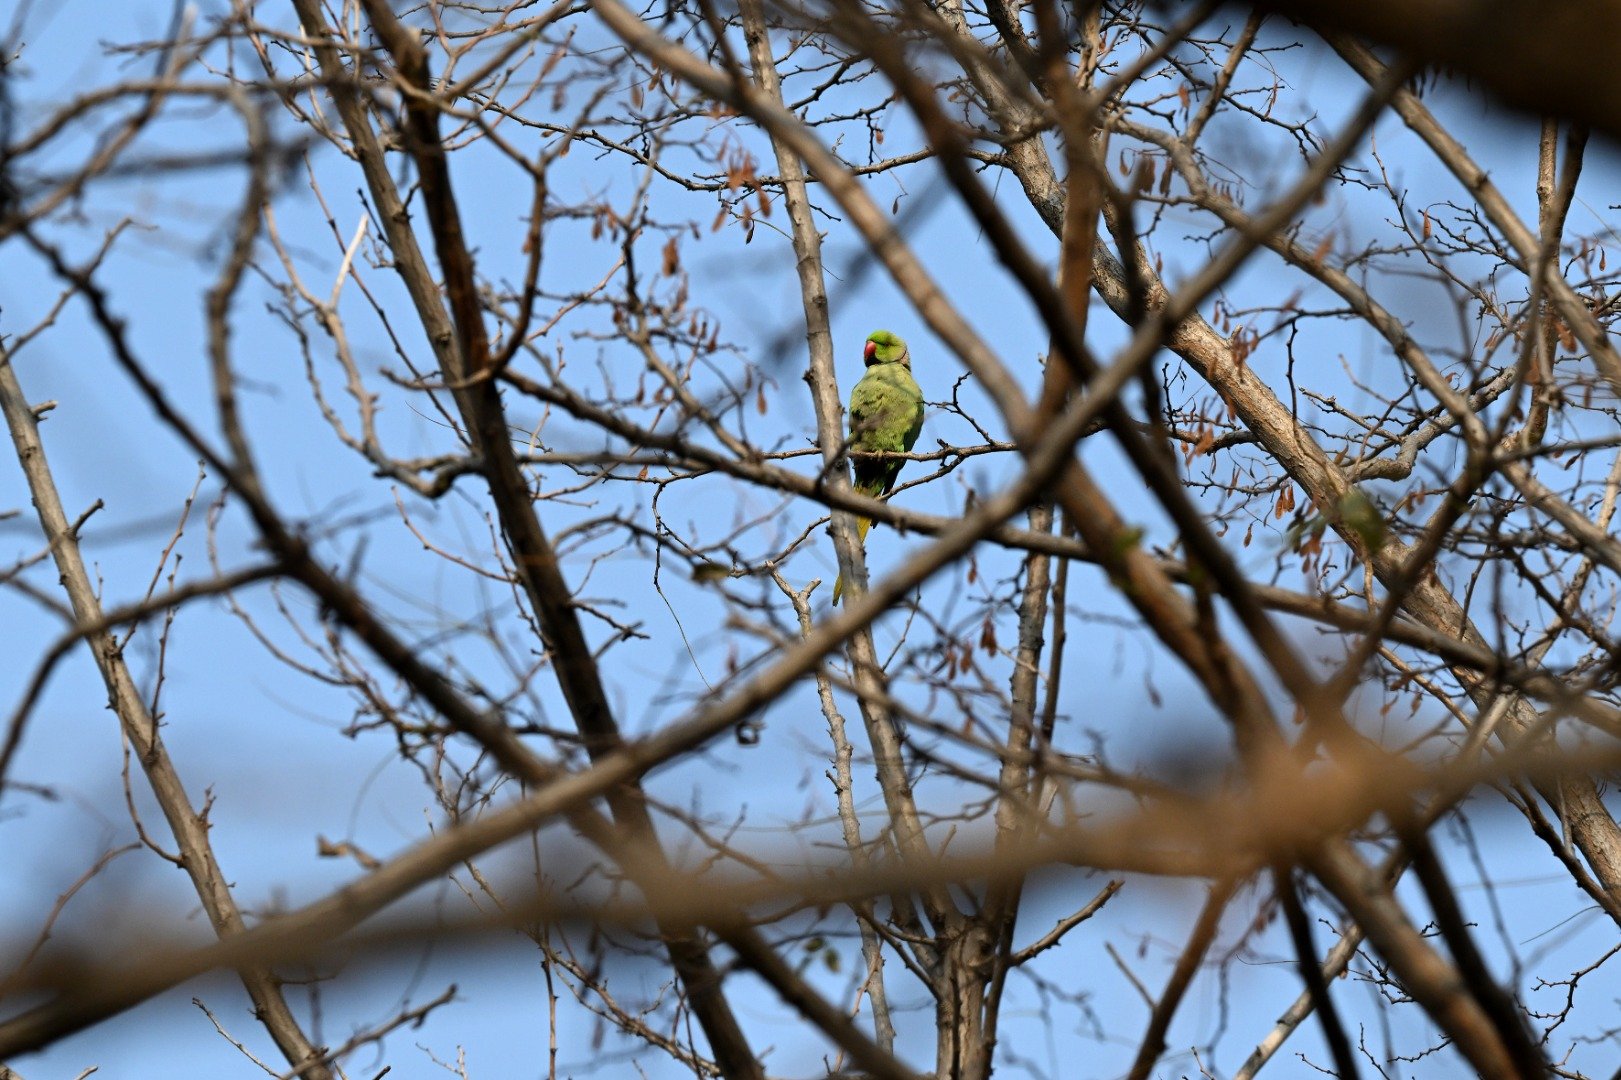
pixel 863 524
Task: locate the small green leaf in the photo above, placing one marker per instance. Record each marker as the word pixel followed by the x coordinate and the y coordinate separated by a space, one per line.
pixel 1363 517
pixel 1128 539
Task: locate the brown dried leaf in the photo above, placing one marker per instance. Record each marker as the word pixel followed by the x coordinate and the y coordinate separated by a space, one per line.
pixel 1567 340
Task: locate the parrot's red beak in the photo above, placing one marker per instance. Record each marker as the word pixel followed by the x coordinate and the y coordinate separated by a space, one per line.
pixel 871 351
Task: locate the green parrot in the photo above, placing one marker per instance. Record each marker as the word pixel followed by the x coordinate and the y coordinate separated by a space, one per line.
pixel 886 414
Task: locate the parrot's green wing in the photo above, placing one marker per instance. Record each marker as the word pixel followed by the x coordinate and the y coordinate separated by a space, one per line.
pixel 886 414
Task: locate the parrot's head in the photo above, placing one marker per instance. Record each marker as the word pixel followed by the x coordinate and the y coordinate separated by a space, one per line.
pixel 884 347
